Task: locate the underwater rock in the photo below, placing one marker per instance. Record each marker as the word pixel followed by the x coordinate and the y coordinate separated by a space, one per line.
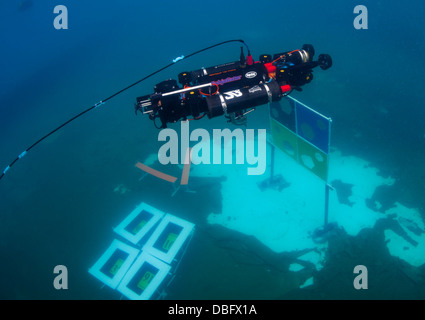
pixel 410 225
pixel 324 233
pixel 249 251
pixel 277 182
pixel 395 226
pixel 383 198
pixel 343 191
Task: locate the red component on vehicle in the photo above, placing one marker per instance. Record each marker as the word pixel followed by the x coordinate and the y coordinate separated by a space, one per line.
pixel 270 68
pixel 285 88
pixel 249 60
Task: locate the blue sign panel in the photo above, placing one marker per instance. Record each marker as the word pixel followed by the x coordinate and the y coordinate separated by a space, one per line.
pixel 284 113
pixel 313 127
pixel 302 133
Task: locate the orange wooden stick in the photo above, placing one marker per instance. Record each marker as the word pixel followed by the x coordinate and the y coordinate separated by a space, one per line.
pixel 156 173
pixel 185 175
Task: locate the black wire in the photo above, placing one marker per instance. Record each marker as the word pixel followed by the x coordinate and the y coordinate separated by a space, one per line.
pixel 112 96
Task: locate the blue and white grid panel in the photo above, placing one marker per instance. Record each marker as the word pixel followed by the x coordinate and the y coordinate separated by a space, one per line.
pixel 139 222
pixel 114 263
pixel 168 238
pixel 144 277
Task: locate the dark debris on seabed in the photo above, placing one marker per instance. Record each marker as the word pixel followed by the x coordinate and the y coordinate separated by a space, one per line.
pixel 389 277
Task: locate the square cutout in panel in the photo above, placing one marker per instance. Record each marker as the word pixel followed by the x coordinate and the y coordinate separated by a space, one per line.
pixel 114 263
pixel 168 238
pixel 138 223
pixel 144 277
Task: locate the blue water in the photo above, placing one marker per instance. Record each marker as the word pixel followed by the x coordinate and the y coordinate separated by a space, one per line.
pixel 57 204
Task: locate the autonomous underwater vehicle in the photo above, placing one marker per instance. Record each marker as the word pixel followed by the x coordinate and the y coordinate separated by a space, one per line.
pixel 231 89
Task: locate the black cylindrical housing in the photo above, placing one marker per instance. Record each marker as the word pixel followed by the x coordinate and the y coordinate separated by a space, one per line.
pixel 219 69
pixel 193 103
pixel 231 76
pixel 166 86
pixel 244 98
pixel 297 57
pixel 185 78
